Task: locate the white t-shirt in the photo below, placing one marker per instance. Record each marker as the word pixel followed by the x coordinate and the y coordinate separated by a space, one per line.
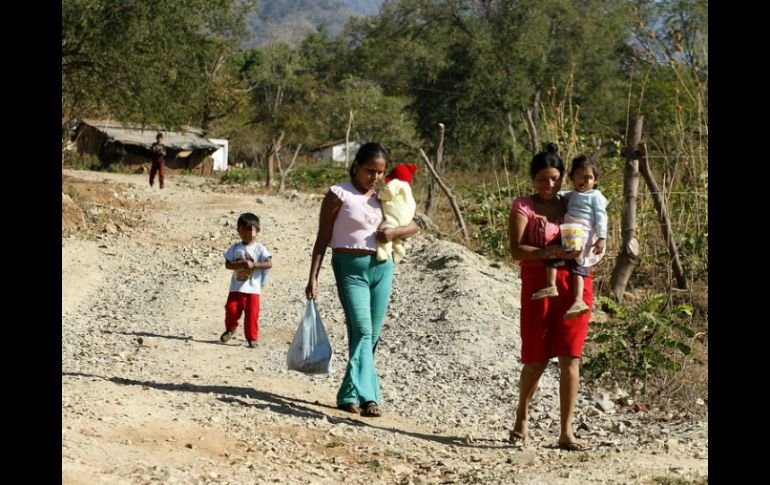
pixel 248 281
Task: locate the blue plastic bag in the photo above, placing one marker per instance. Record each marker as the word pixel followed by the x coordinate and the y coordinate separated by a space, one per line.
pixel 310 351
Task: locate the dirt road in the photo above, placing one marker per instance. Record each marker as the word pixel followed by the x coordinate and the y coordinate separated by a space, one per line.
pixel 150 395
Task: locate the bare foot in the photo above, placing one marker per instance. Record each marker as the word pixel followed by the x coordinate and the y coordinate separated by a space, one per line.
pixel 567 442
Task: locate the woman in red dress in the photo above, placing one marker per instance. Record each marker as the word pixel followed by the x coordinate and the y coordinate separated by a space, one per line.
pixel 533 228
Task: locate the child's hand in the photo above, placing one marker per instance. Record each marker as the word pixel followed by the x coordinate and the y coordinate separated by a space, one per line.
pixel 242 269
pixel 385 235
pixel 244 264
pixel 599 246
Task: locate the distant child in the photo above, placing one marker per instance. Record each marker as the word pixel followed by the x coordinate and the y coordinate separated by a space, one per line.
pixel 586 206
pixel 158 161
pixel 249 261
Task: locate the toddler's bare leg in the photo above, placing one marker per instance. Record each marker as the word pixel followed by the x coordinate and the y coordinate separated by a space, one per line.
pixel 550 275
pixel 577 284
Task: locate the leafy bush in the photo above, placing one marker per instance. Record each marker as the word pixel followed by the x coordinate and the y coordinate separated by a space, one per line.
pixel 73 159
pixel 305 177
pixel 118 167
pixel 638 342
pixel 242 176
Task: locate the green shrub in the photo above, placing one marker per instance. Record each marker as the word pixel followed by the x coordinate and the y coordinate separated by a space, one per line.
pixel 118 167
pixel 639 342
pixel 77 161
pixel 313 177
pixel 242 176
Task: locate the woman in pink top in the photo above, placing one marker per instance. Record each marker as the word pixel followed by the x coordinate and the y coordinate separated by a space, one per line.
pixel 533 233
pixel 350 223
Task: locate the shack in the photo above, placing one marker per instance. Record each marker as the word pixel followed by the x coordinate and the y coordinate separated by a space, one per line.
pixel 114 142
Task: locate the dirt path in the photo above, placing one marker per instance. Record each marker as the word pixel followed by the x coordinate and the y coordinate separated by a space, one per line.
pixel 149 394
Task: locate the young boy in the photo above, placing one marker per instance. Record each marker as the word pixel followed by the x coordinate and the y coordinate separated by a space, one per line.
pixel 158 161
pixel 249 261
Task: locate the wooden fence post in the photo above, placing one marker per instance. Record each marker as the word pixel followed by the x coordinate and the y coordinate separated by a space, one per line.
pixel 430 207
pixel 629 251
pixel 665 225
pixel 452 200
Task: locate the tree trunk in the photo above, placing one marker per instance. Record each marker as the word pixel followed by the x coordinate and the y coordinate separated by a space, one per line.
pixel 430 207
pixel 532 131
pixel 347 139
pixel 536 106
pixel 208 115
pixel 513 139
pixel 255 156
pixel 285 173
pixel 206 123
pixel 452 200
pixel 665 225
pixel 629 251
pixel 272 151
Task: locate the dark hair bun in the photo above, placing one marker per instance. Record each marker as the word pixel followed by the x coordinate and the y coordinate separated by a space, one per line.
pixel 552 148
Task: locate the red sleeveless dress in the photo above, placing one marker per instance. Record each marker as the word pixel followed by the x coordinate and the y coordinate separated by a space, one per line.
pixel 544 332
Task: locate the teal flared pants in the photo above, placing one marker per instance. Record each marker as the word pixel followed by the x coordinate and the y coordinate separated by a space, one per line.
pixel 364 285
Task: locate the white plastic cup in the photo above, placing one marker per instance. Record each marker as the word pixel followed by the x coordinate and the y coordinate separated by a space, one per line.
pixel 573 236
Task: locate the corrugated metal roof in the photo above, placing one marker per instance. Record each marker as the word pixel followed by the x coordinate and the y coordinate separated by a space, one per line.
pixel 189 139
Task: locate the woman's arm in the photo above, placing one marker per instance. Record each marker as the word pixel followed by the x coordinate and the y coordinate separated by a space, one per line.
pixel 517 224
pixel 329 209
pixel 402 232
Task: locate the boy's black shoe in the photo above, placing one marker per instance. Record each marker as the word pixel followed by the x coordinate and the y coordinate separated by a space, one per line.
pixel 252 343
pixel 227 335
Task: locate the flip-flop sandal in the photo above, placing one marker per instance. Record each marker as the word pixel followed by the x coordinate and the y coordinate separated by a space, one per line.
pixel 350 408
pixel 517 437
pixel 546 292
pixel 371 410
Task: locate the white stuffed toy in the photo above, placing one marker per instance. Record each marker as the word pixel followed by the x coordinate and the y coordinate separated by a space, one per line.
pixel 398 208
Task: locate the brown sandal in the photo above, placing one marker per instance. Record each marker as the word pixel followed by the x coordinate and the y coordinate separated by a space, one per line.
pixel 350 408
pixel 371 410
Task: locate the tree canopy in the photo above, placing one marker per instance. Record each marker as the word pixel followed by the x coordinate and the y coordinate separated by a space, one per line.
pixel 478 66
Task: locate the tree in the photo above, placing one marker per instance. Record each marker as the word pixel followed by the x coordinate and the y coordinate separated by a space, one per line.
pixel 146 61
pixel 476 65
pixel 282 98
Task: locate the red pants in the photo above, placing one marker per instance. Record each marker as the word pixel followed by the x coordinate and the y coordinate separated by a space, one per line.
pixel 544 332
pixel 157 167
pixel 248 304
